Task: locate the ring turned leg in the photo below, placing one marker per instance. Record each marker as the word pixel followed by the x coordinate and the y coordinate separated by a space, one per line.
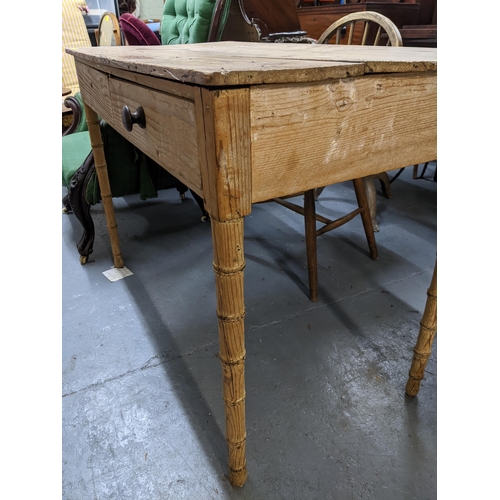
pixel 229 264
pixel 102 175
pixel 227 181
pixel 422 351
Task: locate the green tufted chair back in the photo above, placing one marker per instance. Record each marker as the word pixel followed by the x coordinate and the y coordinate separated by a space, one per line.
pixel 187 21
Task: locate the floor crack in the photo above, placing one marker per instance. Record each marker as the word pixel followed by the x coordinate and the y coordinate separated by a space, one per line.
pixel 148 364
pixel 329 304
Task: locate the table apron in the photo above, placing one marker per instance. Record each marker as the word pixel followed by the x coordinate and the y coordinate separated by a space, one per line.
pixel 310 135
pixel 301 136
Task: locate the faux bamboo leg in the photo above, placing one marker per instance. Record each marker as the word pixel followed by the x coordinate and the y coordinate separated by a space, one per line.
pixel 359 188
pixel 428 327
pixel 102 175
pixel 229 264
pixel 311 249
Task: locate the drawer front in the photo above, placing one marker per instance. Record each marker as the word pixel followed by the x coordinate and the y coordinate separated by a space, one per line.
pixel 170 133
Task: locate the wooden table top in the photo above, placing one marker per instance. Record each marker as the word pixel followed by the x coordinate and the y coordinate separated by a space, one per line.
pixel 250 63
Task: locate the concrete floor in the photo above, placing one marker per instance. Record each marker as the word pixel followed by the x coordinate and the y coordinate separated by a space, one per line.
pixel 327 416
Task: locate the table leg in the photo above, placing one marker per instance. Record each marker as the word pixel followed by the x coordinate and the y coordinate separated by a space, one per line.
pixel 428 327
pixel 226 170
pixel 229 264
pixel 102 175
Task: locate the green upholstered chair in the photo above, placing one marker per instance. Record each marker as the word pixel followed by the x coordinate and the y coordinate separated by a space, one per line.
pixel 184 21
pixel 187 21
pixel 130 172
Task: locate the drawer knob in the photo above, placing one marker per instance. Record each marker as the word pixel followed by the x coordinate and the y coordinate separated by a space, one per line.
pixel 129 118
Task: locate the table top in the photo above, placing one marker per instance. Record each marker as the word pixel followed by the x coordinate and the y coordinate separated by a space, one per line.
pixel 250 63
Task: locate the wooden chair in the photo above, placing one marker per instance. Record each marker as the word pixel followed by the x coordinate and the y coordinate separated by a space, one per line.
pixel 108 33
pixel 373 29
pixel 372 25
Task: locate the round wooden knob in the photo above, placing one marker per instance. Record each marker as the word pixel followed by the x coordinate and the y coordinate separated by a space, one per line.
pixel 129 118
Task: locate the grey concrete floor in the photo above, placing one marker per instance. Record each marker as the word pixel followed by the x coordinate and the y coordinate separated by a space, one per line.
pixel 327 416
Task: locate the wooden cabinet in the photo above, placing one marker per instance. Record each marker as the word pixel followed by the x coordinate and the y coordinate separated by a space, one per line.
pixel 316 15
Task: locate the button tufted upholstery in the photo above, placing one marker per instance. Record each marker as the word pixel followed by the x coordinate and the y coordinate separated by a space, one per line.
pixel 186 21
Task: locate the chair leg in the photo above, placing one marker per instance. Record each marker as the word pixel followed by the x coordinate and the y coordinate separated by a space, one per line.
pixel 317 192
pixel 311 249
pixel 422 351
pixel 199 200
pixel 371 195
pixel 415 171
pixel 81 208
pixel 66 205
pixel 181 188
pixel 359 189
pixel 385 183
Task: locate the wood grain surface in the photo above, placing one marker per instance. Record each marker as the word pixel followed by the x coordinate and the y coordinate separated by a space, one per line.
pixel 309 135
pixel 247 63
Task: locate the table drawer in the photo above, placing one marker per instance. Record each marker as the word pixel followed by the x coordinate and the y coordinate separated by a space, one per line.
pixel 169 135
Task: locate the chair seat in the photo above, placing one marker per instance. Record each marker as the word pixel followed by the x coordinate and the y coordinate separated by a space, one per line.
pixel 129 170
pixel 137 32
pixel 76 147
